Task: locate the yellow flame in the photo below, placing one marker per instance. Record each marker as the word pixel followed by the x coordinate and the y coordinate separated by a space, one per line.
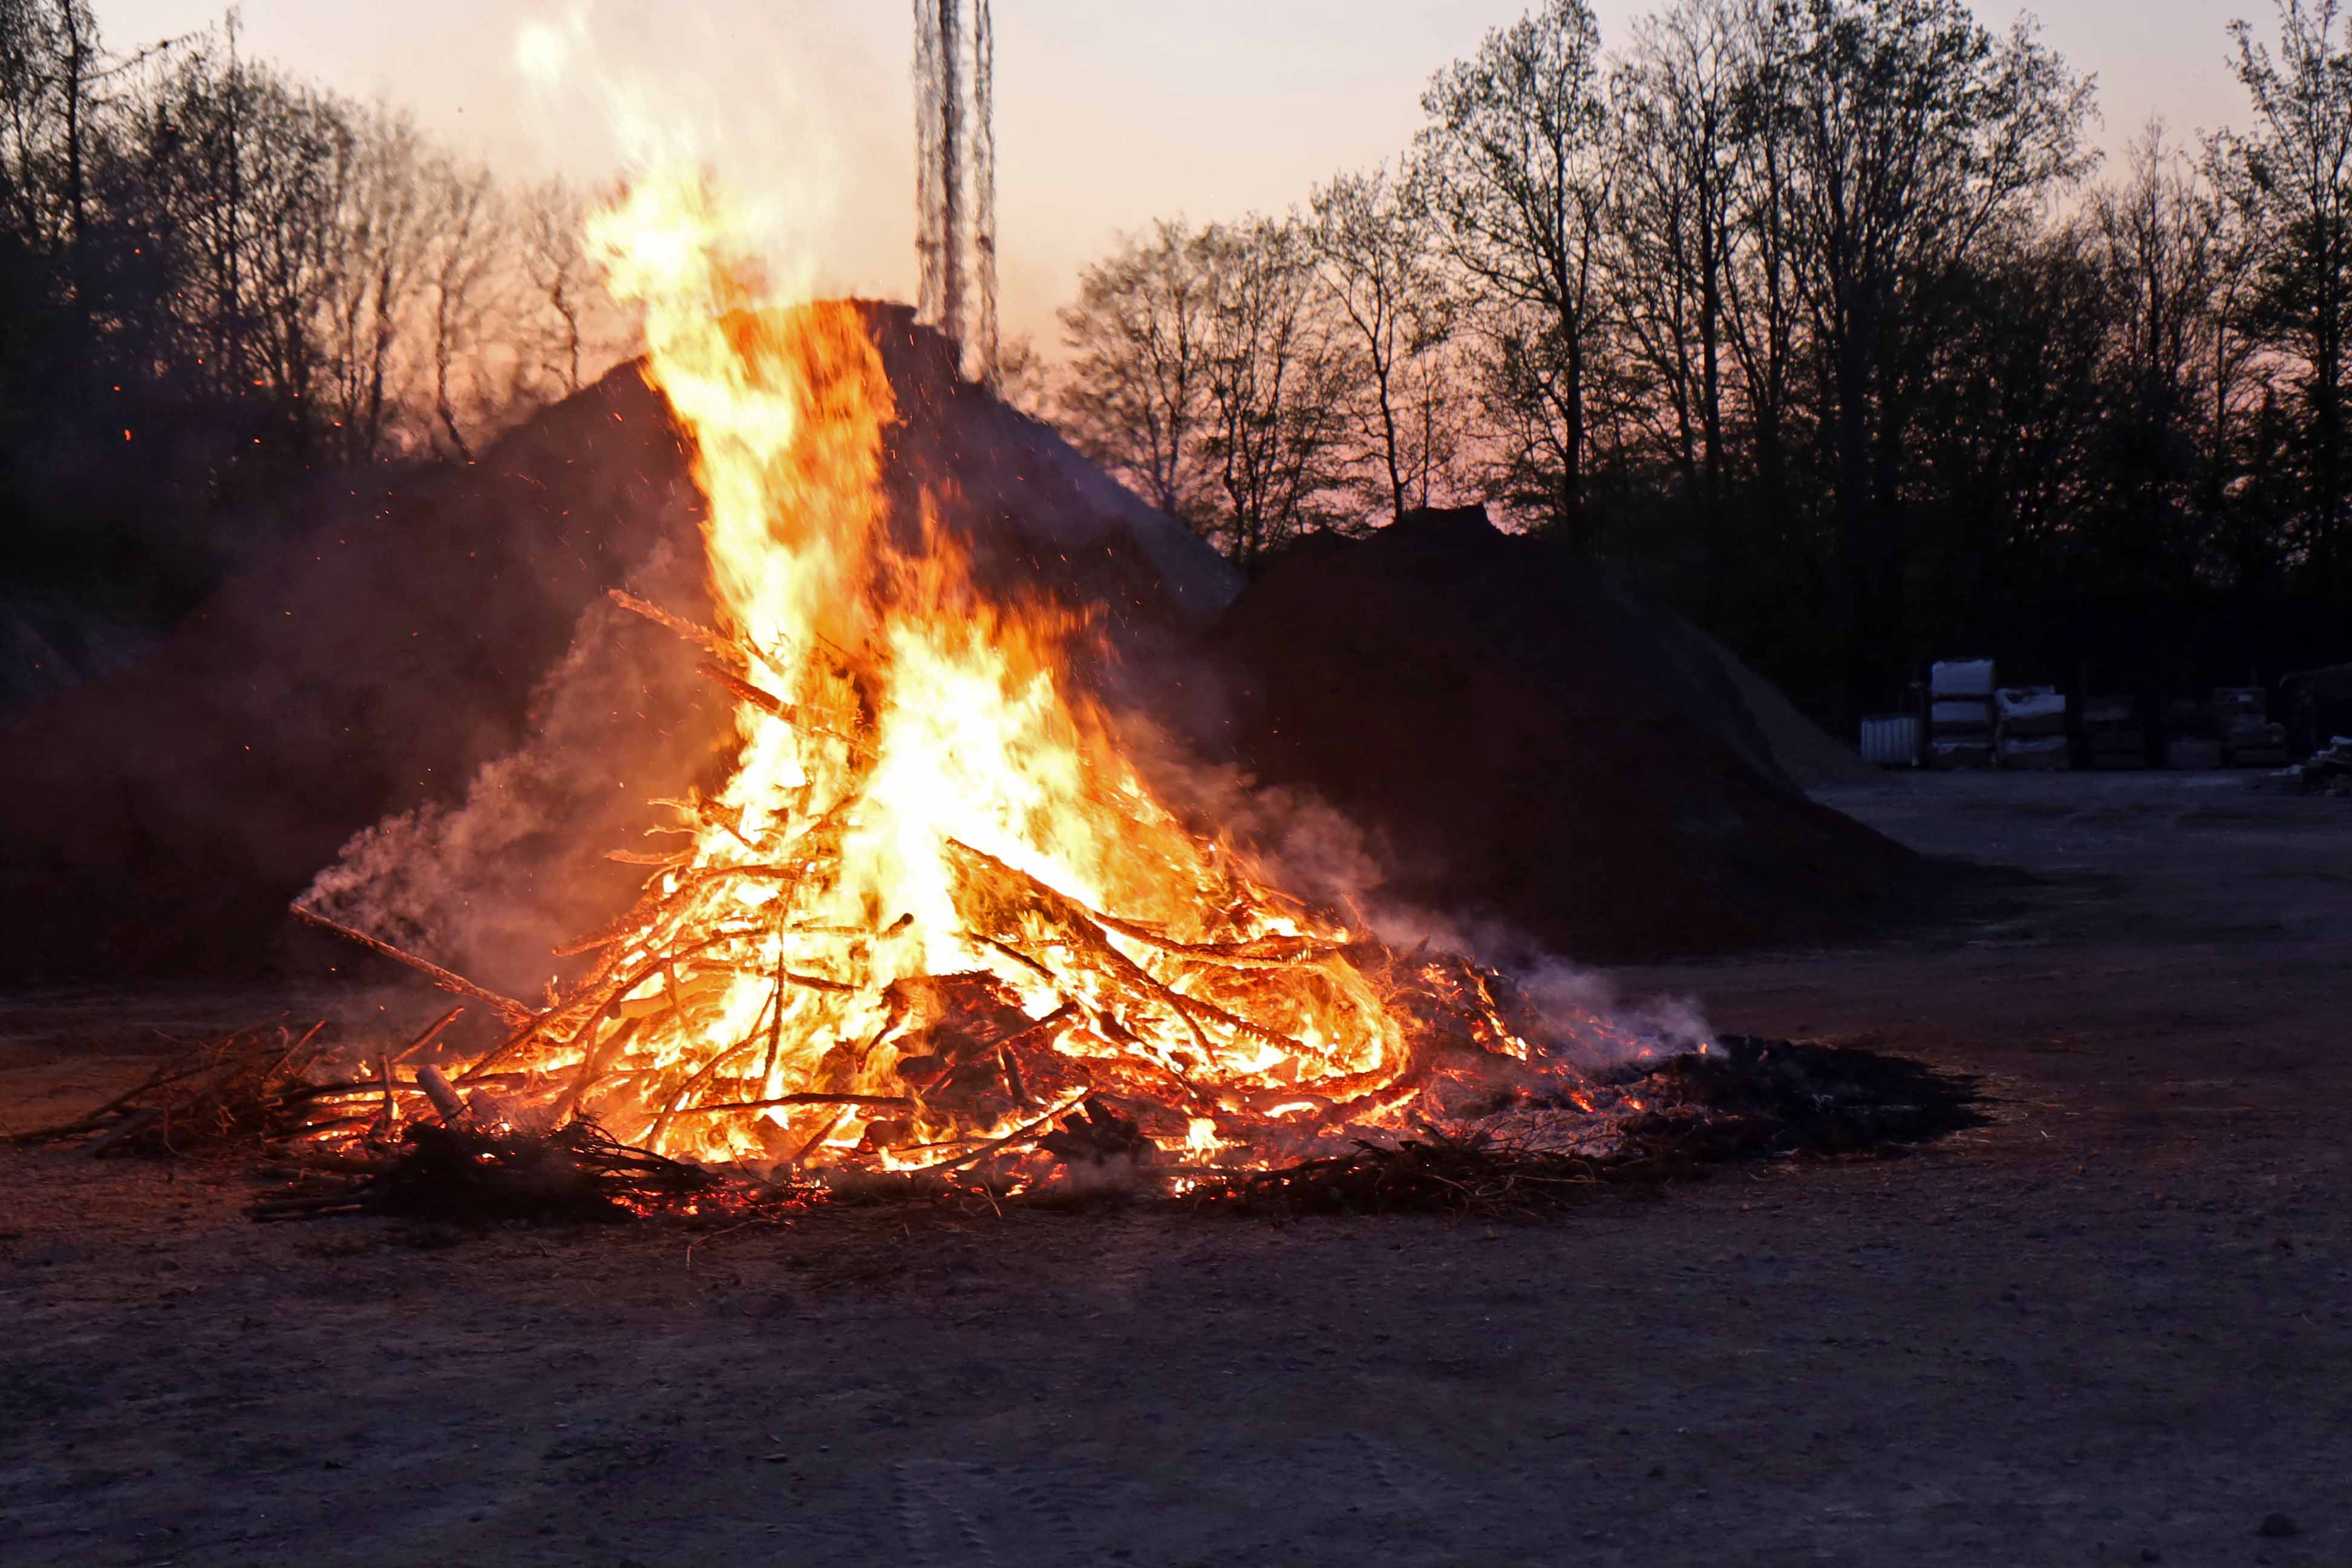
pixel 906 746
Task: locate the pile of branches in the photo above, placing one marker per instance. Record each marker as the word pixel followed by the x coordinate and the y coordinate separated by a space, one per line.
pixel 243 1089
pixel 251 1088
pixel 935 1062
pixel 246 1092
pixel 477 1175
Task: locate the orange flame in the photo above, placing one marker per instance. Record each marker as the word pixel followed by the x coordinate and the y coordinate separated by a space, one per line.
pixel 934 902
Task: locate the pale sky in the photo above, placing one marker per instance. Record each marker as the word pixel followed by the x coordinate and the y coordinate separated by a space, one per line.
pixel 1109 112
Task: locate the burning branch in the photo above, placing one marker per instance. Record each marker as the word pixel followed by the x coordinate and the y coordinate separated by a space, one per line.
pixel 711 642
pixel 507 1007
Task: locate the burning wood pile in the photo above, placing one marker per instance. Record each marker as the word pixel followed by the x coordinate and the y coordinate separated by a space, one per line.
pixel 936 926
pixel 935 909
pixel 376 1141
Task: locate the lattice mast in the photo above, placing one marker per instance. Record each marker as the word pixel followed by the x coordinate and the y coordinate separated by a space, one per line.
pixel 955 175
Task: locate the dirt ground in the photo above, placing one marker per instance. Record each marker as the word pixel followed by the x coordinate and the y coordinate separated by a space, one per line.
pixel 2112 1326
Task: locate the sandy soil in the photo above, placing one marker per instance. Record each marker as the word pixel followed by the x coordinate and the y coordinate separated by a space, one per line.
pixel 2113 1326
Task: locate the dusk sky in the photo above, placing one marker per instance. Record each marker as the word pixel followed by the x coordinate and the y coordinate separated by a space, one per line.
pixel 1111 112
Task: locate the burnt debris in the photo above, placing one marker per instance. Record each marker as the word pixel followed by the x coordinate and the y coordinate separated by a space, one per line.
pixel 260 1094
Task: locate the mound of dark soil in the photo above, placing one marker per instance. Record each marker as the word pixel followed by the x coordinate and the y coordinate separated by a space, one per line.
pixel 161 815
pixel 1707 680
pixel 1499 723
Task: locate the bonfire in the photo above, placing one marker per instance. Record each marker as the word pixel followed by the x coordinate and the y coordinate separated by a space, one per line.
pixel 936 909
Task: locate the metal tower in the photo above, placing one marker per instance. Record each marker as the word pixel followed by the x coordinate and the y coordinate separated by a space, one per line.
pixel 955 175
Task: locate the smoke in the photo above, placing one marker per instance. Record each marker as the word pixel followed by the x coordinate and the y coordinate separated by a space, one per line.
pixel 1309 850
pixel 1578 1014
pixel 1590 1023
pixel 487 885
pixel 760 112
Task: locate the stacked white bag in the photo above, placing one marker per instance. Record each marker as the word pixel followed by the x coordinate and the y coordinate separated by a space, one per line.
pixel 1960 713
pixel 2029 727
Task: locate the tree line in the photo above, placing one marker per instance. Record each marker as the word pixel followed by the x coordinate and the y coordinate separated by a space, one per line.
pixel 216 279
pixel 1819 315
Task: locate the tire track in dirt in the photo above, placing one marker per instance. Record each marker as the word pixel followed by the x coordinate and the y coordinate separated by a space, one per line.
pixel 1351 1484
pixel 935 1513
pixel 1063 1499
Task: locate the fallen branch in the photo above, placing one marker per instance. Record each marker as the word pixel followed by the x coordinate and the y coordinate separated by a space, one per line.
pixel 507 1007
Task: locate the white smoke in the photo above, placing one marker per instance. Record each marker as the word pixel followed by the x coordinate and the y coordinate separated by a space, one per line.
pixel 489 884
pixel 1583 1015
pixel 1592 1024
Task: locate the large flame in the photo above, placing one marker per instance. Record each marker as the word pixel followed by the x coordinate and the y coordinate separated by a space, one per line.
pixel 934 904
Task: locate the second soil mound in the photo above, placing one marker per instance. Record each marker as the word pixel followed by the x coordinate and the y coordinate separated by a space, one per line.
pixel 1493 718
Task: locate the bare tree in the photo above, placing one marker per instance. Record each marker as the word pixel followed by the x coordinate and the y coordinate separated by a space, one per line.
pixel 1682 97
pixel 552 218
pixel 2170 248
pixel 39 86
pixel 292 148
pixel 28 48
pixel 1277 384
pixel 1762 300
pixel 462 255
pixel 197 198
pixel 1134 396
pixel 250 276
pixel 1518 152
pixel 381 224
pixel 230 172
pixel 1021 377
pixel 1380 260
pixel 80 31
pixel 1437 428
